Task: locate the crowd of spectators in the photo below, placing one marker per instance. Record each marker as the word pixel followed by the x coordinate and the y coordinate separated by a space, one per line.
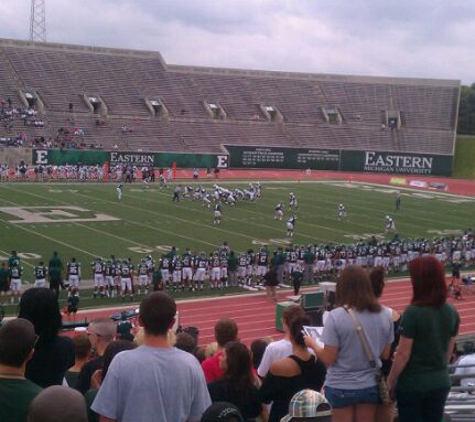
pixel 163 376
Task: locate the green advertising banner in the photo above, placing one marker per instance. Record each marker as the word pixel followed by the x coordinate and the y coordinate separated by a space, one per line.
pixel 139 159
pixel 396 163
pixel 285 158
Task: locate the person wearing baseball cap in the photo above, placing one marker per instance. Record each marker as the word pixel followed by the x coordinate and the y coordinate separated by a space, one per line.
pixel 222 412
pixel 309 405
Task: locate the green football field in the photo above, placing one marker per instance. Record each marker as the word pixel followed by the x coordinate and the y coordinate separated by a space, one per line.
pixel 87 220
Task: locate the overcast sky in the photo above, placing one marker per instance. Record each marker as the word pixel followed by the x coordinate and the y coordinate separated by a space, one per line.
pixel 409 38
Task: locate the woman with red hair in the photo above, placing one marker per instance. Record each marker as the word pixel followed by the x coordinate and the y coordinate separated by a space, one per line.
pixel 419 377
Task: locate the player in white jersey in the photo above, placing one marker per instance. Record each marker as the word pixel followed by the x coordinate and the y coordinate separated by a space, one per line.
pixel 390 224
pixel 279 211
pixel 341 212
pixel 291 225
pixel 293 203
pixel 215 276
pixel 217 214
pixel 119 191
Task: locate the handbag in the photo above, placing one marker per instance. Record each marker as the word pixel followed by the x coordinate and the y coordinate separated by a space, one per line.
pixel 381 381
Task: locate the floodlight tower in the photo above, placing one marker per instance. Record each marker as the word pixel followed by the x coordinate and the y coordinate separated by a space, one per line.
pixel 38 21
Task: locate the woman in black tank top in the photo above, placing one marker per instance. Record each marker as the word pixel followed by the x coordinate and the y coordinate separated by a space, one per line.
pixel 290 375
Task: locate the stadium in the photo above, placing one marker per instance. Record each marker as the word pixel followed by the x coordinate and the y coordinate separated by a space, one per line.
pixel 128 166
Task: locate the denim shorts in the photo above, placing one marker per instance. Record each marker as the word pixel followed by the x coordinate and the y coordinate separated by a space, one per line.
pixel 339 398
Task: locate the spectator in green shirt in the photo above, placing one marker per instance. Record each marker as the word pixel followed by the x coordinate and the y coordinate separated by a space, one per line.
pixel 308 265
pixel 419 377
pixel 17 341
pixel 4 285
pixel 232 269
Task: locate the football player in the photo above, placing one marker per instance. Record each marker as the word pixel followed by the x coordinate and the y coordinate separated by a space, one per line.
pixel 188 260
pixel 126 280
pixel 291 225
pixel 262 263
pixel 242 269
pixel 215 275
pixel 73 274
pixel 119 190
pixel 165 266
pixel 223 262
pixel 200 273
pixel 40 275
pixel 279 211
pixel 16 272
pixel 217 213
pixel 98 271
pixel 177 273
pixel 144 273
pixel 390 225
pixel 109 273
pixel 341 212
pixel 293 203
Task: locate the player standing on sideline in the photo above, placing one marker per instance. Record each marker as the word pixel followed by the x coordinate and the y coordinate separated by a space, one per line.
pixel 390 225
pixel 73 275
pixel 126 274
pixel 109 276
pixel 217 214
pixel 143 276
pixel 200 273
pixel 398 201
pixel 279 211
pixel 165 266
pixel 187 277
pixel 15 281
pixel 97 267
pixel 119 191
pixel 291 225
pixel 40 275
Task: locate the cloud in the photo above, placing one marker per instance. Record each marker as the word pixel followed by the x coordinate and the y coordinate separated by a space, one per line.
pixel 418 38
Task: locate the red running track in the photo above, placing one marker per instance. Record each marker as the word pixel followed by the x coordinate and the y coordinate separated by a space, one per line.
pixel 255 315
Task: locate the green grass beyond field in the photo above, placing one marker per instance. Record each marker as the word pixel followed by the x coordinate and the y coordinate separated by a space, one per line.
pixel 464 160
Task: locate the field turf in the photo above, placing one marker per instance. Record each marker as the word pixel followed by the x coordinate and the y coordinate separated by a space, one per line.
pixel 147 222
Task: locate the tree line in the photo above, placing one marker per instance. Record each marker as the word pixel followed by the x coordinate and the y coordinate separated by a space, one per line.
pixel 466 122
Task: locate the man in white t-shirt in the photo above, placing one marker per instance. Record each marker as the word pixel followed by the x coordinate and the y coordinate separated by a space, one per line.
pixel 279 350
pixel 463 368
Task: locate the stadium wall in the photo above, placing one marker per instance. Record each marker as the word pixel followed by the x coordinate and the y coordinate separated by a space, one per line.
pixel 157 159
pixel 341 160
pixel 258 157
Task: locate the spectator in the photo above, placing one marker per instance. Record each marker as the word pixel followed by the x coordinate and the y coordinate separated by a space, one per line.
pixel 101 332
pixel 211 349
pixel 351 386
pixel 54 355
pixel 112 349
pixel 385 413
pixel 296 372
pixel 258 348
pixel 466 365
pixel 200 354
pixel 82 347
pixel 17 341
pixel 185 342
pixel 225 330
pixel 58 404
pixel 238 384
pixel 309 406
pixel 280 349
pixel 222 412
pixel 420 380
pixel 155 381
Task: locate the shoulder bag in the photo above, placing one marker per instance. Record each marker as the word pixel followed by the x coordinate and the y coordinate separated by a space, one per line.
pixel 382 385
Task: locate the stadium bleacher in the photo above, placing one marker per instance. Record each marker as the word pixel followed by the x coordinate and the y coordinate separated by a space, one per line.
pixel 63 76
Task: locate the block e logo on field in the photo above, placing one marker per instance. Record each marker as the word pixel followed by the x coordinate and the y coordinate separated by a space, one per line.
pixel 53 214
